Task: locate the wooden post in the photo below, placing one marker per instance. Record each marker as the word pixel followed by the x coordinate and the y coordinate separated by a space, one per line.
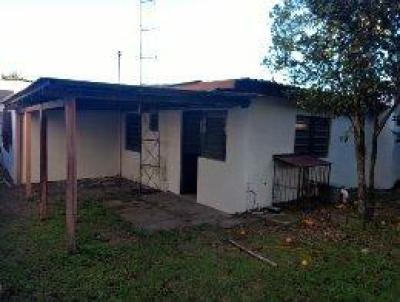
pixel 28 153
pixel 71 184
pixel 43 165
pixel 18 149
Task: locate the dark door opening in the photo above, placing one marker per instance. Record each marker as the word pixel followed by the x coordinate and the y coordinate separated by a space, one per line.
pixel 191 150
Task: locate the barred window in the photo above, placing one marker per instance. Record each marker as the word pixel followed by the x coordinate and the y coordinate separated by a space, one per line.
pixel 133 132
pixel 312 135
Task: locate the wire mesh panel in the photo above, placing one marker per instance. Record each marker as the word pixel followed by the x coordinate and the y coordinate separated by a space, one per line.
pixel 150 166
pixel 299 178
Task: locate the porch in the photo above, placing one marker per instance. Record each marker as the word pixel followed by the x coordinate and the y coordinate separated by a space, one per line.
pixel 86 145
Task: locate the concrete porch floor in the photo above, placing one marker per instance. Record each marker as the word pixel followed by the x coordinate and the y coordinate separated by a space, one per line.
pixel 166 211
pixel 151 212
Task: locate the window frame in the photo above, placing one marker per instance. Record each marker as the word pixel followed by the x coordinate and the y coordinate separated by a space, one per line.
pixel 316 143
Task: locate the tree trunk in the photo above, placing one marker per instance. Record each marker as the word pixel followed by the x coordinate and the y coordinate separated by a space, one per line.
pixel 360 150
pixel 373 158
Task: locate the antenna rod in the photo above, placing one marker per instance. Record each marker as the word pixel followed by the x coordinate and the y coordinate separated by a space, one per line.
pixel 140 42
pixel 119 66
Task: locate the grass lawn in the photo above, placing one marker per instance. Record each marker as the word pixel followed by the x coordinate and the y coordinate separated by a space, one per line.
pixel 115 263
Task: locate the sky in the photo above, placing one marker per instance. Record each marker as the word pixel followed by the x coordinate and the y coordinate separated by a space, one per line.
pixel 79 39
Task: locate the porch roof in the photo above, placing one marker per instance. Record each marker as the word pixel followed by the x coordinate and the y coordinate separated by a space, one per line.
pixel 106 95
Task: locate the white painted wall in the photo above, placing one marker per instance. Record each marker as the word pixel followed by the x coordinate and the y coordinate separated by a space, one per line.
pixel 342 155
pixel 130 160
pixel 170 135
pixel 168 178
pixel 254 135
pixel 271 131
pixel 222 184
pixel 97 144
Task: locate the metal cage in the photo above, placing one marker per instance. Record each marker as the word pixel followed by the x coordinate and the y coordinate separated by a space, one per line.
pixel 299 178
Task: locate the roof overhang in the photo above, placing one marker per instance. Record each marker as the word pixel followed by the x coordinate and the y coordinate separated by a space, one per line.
pixel 94 94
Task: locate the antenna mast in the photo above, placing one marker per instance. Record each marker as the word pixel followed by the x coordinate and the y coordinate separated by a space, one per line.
pixel 144 5
pixel 119 54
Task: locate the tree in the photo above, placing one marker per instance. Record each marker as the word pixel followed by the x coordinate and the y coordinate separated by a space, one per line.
pixel 346 53
pixel 14 76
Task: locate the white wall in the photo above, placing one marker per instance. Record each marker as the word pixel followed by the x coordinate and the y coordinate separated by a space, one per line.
pixel 271 131
pixel 222 184
pixel 170 135
pixel 254 135
pixel 342 155
pixel 168 178
pixel 97 144
pixel 130 160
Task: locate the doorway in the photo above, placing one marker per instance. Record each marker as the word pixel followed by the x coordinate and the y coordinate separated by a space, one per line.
pixel 191 150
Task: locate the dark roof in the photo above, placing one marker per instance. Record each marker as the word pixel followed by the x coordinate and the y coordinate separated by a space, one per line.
pixel 50 89
pixel 302 161
pixel 4 94
pixel 259 87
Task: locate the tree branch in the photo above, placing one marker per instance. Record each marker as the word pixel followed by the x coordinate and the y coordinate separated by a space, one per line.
pixel 386 116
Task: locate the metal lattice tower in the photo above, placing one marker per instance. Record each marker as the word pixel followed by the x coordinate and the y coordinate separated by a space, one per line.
pixel 150 162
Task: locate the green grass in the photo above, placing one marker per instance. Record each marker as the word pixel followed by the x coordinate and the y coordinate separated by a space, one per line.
pixel 115 263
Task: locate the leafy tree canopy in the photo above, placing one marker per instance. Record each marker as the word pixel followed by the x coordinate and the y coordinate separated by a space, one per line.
pixel 346 52
pixel 14 76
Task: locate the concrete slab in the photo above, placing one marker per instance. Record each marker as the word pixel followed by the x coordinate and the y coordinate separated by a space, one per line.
pixel 167 211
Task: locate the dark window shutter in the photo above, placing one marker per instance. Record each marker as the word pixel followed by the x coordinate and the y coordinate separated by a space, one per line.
pixel 214 136
pixel 133 132
pixel 153 122
pixel 312 135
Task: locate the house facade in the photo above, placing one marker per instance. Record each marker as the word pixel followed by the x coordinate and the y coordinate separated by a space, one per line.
pixel 219 147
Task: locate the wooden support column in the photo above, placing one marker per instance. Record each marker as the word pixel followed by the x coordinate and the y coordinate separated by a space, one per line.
pixel 28 153
pixel 18 149
pixel 43 165
pixel 71 184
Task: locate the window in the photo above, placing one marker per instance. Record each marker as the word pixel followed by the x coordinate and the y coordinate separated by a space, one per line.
pixel 312 135
pixel 214 136
pixel 397 120
pixel 133 133
pixel 6 131
pixel 153 122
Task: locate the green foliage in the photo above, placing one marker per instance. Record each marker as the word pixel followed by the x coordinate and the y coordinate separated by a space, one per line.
pixel 14 76
pixel 191 265
pixel 347 53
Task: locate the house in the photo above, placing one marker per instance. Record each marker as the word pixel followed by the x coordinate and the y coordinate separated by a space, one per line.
pixel 220 142
pixel 339 148
pixel 7 88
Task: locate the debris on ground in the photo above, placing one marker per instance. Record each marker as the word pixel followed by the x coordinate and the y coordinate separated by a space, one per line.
pixel 253 254
pixel 304 262
pixel 365 251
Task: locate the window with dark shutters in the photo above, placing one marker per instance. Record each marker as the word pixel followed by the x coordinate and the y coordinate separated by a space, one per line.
pixel 153 122
pixel 312 135
pixel 6 131
pixel 214 136
pixel 133 133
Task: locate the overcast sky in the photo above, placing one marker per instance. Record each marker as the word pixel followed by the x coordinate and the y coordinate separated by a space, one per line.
pixel 79 39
